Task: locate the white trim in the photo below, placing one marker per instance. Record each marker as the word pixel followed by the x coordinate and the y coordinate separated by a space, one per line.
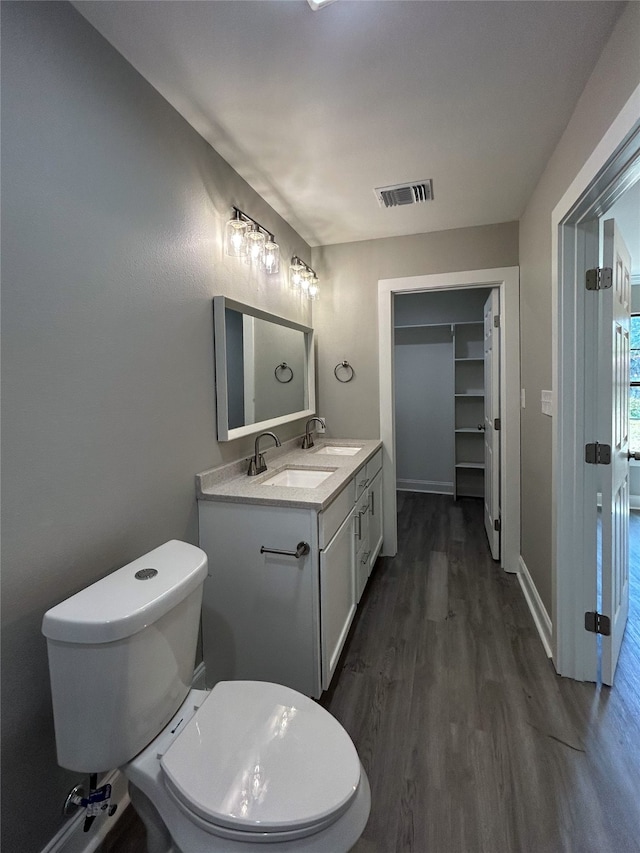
pixel 428 486
pixel 574 234
pixel 71 838
pixel 536 607
pixel 507 279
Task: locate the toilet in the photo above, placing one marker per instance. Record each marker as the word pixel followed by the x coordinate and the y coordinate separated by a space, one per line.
pixel 246 766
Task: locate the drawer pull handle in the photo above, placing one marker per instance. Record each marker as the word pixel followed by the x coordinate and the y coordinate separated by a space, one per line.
pixel 302 549
pixel 359 532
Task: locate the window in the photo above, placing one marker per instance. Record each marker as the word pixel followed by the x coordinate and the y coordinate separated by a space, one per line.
pixel 634 378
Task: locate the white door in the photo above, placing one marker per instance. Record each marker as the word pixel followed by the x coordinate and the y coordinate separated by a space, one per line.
pixel 491 423
pixel 613 412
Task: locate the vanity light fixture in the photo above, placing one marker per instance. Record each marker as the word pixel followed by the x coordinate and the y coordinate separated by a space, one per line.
pixel 303 278
pixel 246 238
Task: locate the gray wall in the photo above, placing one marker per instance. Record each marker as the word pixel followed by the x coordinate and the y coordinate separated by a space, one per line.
pixel 274 397
pixel 346 317
pixel 113 211
pixel 423 365
pixel 613 80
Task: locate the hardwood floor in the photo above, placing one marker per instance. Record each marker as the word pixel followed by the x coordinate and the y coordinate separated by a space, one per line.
pixel 471 742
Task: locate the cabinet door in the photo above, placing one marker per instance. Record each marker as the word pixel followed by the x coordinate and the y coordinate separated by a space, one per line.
pixel 375 519
pixel 338 604
pixel 363 549
pixel 261 611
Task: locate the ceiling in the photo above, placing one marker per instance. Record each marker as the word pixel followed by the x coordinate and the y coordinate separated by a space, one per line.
pixel 315 109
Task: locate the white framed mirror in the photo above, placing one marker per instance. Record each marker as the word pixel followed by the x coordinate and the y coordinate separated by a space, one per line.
pixel 264 369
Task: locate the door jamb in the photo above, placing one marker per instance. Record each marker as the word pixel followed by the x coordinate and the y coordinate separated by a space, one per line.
pixel 507 279
pixel 613 166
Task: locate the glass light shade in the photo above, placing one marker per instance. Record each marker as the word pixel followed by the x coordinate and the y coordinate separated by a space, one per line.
pixel 235 234
pixel 271 257
pixel 306 278
pixel 255 247
pixel 314 289
pixel 295 274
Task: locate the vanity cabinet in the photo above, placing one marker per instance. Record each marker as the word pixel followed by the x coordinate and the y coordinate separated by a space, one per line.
pixel 277 617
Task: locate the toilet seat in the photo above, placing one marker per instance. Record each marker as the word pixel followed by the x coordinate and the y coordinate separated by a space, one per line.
pixel 261 761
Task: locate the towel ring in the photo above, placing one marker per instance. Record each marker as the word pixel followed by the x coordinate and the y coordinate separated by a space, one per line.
pixel 283 366
pixel 344 365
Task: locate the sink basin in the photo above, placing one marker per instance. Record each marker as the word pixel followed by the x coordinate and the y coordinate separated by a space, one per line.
pixel 301 478
pixel 339 449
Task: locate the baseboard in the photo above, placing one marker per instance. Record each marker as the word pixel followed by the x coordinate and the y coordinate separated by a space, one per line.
pixel 428 486
pixel 71 838
pixel 536 607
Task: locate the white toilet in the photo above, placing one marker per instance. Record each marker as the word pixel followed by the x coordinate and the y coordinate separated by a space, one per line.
pixel 246 766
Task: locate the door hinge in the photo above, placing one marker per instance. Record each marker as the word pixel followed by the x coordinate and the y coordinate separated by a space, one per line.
pixel 496 424
pixel 597 454
pixel 496 321
pixel 496 525
pixel 597 623
pixel 600 278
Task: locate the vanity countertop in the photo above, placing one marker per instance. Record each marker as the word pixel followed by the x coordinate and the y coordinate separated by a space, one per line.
pixel 230 483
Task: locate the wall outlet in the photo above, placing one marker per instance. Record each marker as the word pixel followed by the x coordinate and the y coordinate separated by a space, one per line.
pixel 546 402
pixel 522 399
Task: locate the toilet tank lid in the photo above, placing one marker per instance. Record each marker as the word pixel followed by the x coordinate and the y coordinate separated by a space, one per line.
pixel 121 604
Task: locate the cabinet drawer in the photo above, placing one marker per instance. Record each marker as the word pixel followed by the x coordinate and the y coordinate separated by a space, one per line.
pixel 330 519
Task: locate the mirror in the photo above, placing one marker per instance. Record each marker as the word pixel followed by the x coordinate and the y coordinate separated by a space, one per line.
pixel 264 369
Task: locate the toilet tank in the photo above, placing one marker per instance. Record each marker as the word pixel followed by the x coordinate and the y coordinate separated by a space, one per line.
pixel 121 656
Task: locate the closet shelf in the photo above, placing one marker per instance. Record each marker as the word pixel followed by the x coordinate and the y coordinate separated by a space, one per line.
pixel 436 325
pixel 470 430
pixel 477 466
pixel 471 394
pixel 469 358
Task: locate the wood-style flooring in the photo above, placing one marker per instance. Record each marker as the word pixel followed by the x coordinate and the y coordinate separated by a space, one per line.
pixel 471 741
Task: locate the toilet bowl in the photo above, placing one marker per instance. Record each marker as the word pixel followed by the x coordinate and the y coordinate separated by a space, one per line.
pixel 247 764
pixel 244 767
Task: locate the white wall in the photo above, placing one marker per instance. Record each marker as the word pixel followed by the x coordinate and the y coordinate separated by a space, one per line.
pixel 113 210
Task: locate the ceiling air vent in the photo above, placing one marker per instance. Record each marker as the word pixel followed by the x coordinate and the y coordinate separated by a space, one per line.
pixel 405 193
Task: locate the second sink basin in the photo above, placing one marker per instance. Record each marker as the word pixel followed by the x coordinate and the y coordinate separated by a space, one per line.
pixel 301 478
pixel 339 449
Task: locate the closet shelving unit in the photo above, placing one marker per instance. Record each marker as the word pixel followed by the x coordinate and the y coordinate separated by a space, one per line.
pixel 468 359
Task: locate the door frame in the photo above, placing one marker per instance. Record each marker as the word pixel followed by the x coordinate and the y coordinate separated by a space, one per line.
pixel 613 166
pixel 507 280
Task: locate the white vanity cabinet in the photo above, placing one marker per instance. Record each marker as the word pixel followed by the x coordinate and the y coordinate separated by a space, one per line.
pixel 337 568
pixel 368 520
pixel 277 617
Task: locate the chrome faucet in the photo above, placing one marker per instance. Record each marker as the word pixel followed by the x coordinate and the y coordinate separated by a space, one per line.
pixel 257 464
pixel 307 441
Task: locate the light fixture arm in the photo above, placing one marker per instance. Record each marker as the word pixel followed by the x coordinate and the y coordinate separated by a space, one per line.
pixel 241 216
pixel 296 260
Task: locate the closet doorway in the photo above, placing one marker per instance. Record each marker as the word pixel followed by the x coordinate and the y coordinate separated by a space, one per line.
pixel 446 379
pixel 505 283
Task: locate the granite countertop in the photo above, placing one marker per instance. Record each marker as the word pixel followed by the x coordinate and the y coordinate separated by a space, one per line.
pixel 230 483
